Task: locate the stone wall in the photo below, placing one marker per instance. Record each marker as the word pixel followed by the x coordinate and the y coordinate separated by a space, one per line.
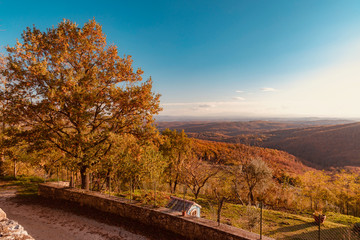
pixel 188 226
pixel 10 230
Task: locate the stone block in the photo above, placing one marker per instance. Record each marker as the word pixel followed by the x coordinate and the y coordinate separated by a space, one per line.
pixel 2 215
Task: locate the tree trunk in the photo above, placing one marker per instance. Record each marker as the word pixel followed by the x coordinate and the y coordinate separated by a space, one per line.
pixel 239 197
pixel 175 183
pixel 84 178
pixel 131 189
pixel 174 189
pixel 220 205
pixel 251 197
pixel 72 180
pixel 356 209
pixel 196 194
pixel 173 186
pixel 154 193
pixel 170 186
pixel 14 168
pixel 109 185
pixel 90 182
pixel 2 161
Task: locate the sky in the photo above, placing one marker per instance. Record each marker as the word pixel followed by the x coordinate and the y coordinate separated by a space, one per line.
pixel 224 59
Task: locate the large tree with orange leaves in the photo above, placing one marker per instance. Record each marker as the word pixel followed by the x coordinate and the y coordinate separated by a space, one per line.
pixel 67 87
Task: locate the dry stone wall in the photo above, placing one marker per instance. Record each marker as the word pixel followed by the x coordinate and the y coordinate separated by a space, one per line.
pixel 11 230
pixel 163 218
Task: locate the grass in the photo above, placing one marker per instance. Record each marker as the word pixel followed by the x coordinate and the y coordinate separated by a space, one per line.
pixel 282 225
pixel 26 186
pixel 341 218
pixel 146 197
pixel 276 224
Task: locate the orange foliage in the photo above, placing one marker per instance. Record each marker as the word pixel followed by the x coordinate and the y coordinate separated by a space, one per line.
pixel 233 154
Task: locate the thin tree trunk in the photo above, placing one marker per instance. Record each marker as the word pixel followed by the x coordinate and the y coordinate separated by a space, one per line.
pixel 84 178
pixel 251 197
pixel 239 197
pixel 14 168
pixel 196 193
pixel 131 186
pixel 175 183
pixel 109 185
pixel 2 161
pixel 72 180
pixel 220 205
pixel 154 193
pixel 170 185
pixel 90 182
pixel 67 174
pixel 356 208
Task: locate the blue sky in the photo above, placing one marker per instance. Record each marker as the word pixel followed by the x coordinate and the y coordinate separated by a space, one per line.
pixel 225 58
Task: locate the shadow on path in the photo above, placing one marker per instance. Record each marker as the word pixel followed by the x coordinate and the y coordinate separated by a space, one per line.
pixel 137 228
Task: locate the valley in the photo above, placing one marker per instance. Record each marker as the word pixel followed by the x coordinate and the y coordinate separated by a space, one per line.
pixel 320 144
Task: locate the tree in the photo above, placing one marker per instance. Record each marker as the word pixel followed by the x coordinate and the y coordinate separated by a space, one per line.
pixel 257 176
pixel 51 160
pixel 13 148
pixel 221 190
pixel 237 181
pixel 123 162
pixel 153 163
pixel 175 149
pixel 67 87
pixel 345 188
pixel 315 186
pixel 197 173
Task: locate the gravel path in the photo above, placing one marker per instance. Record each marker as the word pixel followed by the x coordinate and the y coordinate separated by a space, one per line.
pixel 46 219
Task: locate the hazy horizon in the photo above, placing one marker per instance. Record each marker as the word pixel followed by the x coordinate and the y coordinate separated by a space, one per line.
pixel 162 118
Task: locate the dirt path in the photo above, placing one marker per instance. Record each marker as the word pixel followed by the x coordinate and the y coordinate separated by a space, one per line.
pixel 45 219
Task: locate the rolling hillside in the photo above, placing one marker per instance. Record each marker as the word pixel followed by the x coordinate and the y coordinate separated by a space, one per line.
pixel 320 144
pixel 280 162
pixel 327 146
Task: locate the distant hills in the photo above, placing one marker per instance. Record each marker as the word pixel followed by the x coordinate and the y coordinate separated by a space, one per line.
pixel 319 143
pixel 326 146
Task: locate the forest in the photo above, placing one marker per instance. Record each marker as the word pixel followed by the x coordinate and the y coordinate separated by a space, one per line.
pixel 72 109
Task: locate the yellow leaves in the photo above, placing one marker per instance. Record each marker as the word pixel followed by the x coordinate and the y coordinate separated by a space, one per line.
pixel 84 90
